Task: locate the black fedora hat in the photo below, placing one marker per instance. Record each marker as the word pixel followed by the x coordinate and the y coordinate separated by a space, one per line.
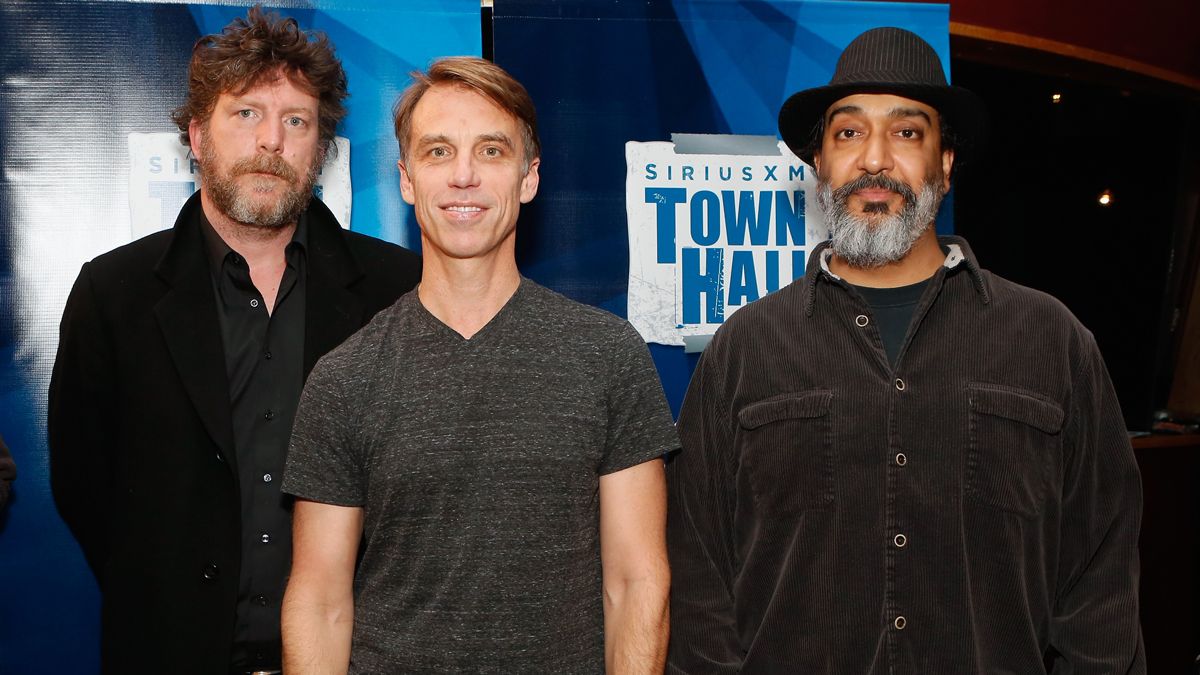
pixel 886 61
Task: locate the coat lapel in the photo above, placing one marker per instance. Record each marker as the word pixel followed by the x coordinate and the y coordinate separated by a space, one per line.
pixel 332 312
pixel 187 316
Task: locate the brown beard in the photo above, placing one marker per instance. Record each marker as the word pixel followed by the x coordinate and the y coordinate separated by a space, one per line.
pixel 227 195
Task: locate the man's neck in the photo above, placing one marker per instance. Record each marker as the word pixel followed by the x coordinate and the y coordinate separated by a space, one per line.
pixel 921 263
pixel 466 294
pixel 262 248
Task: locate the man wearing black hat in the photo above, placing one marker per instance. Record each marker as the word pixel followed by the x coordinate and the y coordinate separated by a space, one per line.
pixel 900 463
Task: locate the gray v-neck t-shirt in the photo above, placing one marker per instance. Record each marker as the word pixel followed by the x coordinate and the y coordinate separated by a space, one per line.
pixel 477 464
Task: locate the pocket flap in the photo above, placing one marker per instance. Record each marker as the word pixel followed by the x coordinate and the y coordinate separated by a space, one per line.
pixel 1025 407
pixel 788 406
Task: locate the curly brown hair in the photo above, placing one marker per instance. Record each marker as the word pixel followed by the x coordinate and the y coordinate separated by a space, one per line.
pixel 257 49
pixel 484 77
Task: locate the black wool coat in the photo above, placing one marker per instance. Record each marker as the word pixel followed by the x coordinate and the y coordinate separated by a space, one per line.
pixel 140 430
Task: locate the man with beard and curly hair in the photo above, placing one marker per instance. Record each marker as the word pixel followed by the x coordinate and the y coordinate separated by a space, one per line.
pixel 183 354
pixel 900 463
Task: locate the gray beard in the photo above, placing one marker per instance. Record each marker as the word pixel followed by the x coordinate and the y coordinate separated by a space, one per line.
pixel 866 245
pixel 228 198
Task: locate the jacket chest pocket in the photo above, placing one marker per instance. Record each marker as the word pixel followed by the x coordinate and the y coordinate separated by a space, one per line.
pixel 786 449
pixel 1015 437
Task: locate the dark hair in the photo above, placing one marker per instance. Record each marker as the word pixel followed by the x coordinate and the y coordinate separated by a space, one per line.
pixel 949 140
pixel 259 48
pixel 486 78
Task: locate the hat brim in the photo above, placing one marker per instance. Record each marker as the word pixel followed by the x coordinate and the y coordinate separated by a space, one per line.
pixel 800 116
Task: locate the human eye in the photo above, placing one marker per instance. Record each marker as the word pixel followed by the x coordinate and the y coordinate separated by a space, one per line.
pixel 245 113
pixel 909 134
pixel 295 121
pixel 845 133
pixel 492 151
pixel 439 152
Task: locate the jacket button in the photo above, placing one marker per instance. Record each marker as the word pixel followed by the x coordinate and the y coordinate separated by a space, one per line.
pixel 211 571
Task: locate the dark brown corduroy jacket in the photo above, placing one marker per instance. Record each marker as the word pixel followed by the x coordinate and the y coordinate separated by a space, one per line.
pixel 974 509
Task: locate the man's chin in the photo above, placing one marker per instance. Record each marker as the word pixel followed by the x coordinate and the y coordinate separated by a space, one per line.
pixel 265 215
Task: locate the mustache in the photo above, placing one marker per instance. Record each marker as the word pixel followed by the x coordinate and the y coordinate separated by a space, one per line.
pixel 269 164
pixel 877 182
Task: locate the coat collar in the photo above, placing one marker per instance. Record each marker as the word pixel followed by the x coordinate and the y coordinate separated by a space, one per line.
pixel 960 257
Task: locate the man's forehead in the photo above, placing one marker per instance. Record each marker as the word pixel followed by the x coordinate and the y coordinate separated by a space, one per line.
pixel 271 82
pixel 444 106
pixel 886 105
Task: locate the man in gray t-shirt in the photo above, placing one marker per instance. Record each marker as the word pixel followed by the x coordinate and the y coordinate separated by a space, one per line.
pixel 477 471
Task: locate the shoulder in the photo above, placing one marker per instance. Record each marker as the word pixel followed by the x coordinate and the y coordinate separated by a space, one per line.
pixel 556 311
pixel 1028 307
pixel 781 309
pixel 379 261
pixel 140 254
pixel 129 270
pixel 373 253
pixel 382 338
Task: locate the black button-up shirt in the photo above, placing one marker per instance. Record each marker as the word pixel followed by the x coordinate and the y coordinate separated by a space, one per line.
pixel 264 360
pixel 973 508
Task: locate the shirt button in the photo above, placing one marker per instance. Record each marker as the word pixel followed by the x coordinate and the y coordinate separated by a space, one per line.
pixel 211 571
pixel 900 384
pixel 267 478
pixel 900 623
pixel 901 460
pixel 268 355
pixel 266 538
pixel 861 320
pixel 269 415
pixel 220 457
pixel 254 302
pixel 900 540
pixel 260 600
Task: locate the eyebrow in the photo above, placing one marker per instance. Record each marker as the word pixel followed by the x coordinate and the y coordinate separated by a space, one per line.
pixel 432 139
pixel 243 100
pixel 845 109
pixel 899 112
pixel 494 137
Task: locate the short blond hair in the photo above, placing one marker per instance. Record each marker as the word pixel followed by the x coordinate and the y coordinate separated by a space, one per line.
pixel 489 80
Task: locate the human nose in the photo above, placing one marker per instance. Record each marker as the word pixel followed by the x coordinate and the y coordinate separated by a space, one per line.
pixel 270 136
pixel 464 174
pixel 876 156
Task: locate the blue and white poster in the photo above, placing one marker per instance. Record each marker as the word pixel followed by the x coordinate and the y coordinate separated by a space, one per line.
pixel 715 223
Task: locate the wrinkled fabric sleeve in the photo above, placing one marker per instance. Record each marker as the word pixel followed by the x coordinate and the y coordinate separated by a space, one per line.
pixel 1095 625
pixel 79 424
pixel 325 456
pixel 700 531
pixel 639 419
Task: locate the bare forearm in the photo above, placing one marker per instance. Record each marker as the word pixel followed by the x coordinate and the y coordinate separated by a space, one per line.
pixel 316 632
pixel 636 627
